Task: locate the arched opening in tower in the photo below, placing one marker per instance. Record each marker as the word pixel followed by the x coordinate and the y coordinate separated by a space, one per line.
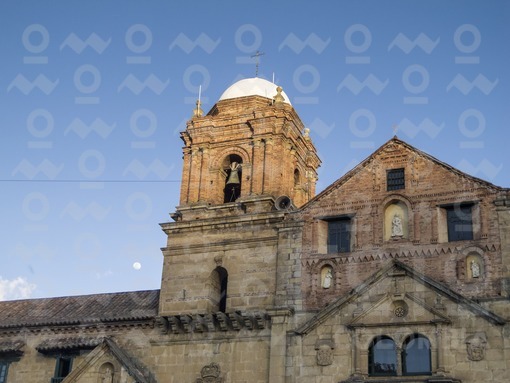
pixel 233 170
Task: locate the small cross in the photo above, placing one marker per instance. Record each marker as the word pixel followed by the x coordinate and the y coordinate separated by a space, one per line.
pixel 257 55
pixel 395 129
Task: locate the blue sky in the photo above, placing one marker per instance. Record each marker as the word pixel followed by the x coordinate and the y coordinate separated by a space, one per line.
pixel 93 95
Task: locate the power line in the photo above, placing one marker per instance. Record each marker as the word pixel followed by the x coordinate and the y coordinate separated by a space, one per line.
pixel 88 181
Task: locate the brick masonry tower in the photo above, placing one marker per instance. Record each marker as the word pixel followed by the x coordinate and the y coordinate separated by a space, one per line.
pixel 246 164
pixel 254 128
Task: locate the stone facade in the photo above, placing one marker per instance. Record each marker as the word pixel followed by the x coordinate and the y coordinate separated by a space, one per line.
pixel 397 272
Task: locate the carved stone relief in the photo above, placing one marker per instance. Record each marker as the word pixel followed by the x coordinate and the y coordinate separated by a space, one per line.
pixel 210 374
pixel 400 308
pixel 476 345
pixel 324 348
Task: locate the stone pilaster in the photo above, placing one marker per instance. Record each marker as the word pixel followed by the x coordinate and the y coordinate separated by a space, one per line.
pixel 279 320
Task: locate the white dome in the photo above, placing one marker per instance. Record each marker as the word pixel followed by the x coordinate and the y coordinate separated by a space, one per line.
pixel 252 87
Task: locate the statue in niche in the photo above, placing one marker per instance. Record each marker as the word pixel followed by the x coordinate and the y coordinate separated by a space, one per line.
pixel 233 184
pixel 328 278
pixel 396 226
pixel 107 375
pixel 475 269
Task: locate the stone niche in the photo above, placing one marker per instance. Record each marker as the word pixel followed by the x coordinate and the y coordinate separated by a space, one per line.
pixel 396 221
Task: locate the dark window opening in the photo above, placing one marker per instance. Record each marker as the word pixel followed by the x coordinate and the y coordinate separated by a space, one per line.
pixel 459 222
pixel 382 357
pixel 416 356
pixel 223 279
pixel 3 371
pixel 395 179
pixel 339 235
pixel 297 178
pixel 62 368
pixel 233 169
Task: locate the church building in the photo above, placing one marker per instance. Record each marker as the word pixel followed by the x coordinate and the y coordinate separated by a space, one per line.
pixel 399 271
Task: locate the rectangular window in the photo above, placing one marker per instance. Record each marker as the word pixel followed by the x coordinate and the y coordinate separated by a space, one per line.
pixel 339 235
pixel 395 179
pixel 62 368
pixel 459 220
pixel 3 371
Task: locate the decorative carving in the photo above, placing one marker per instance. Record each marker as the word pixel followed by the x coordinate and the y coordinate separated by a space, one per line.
pixel 324 348
pixel 400 309
pixel 324 356
pixel 218 260
pixel 210 374
pixel 278 98
pixel 476 345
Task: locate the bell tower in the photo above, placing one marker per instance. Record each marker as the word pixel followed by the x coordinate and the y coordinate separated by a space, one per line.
pixel 245 164
pixel 251 146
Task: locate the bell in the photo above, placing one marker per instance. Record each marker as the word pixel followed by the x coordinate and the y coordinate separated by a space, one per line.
pixel 233 178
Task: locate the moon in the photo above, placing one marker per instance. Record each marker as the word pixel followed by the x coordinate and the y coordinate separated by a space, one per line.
pixel 137 265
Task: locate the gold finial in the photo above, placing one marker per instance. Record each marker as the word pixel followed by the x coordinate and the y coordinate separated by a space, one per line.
pixel 278 98
pixel 197 111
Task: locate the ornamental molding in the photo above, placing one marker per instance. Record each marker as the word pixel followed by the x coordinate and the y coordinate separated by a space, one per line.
pixel 311 260
pixel 207 323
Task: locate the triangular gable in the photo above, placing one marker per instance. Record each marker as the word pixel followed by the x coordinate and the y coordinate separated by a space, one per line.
pixel 438 287
pixel 422 313
pixel 388 145
pixel 108 346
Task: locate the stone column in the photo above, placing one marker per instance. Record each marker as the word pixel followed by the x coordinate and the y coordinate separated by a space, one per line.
pixel 268 176
pixel 399 361
pixel 259 148
pixel 186 176
pixel 440 369
pixel 278 351
pixel 194 175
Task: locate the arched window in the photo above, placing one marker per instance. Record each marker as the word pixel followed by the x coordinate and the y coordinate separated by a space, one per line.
pixel 382 357
pixel 297 178
pixel 232 165
pixel 222 288
pixel 416 356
